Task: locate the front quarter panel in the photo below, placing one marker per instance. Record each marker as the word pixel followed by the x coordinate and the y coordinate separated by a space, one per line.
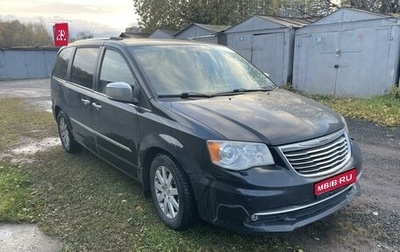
pixel 174 135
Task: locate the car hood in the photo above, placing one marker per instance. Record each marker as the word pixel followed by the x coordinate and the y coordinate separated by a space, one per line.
pixel 277 117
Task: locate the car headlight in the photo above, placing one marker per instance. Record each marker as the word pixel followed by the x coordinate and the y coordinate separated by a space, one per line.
pixel 345 124
pixel 239 155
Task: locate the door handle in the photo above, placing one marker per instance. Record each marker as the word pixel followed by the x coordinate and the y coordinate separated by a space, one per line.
pixel 85 101
pixel 96 106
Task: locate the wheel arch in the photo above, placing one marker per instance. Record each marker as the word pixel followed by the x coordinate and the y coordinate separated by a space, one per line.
pixel 57 110
pixel 148 157
pixel 155 145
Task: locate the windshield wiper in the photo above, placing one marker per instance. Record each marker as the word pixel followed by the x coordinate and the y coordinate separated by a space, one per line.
pixel 186 95
pixel 227 93
pixel 238 91
pixel 252 90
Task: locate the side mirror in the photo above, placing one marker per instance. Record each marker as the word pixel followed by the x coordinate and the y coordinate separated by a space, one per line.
pixel 120 91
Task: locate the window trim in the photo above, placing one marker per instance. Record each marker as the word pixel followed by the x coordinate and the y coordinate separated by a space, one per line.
pixel 71 59
pixel 102 55
pixel 95 70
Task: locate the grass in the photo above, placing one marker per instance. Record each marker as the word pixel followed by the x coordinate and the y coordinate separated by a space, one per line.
pixel 15 198
pixel 94 208
pixel 383 110
pixel 19 121
pixel 91 207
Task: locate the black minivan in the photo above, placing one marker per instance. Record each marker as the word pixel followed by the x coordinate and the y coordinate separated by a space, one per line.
pixel 205 132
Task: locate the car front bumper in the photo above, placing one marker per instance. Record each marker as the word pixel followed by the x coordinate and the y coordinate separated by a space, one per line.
pixel 275 206
pixel 284 219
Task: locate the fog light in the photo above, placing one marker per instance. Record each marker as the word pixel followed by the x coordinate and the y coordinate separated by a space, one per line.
pixel 254 217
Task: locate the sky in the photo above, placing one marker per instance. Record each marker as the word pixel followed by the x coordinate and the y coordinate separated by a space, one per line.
pixel 96 17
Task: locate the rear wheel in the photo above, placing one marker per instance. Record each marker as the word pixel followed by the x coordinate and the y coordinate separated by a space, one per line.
pixel 64 130
pixel 171 193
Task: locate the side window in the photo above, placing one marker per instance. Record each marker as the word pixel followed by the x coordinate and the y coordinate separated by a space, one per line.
pixel 114 69
pixel 62 62
pixel 83 66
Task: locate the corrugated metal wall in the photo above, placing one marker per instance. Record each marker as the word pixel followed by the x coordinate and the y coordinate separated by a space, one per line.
pixel 268 45
pixel 26 63
pixel 271 52
pixel 348 57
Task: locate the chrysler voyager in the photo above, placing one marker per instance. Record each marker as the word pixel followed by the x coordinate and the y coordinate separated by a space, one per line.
pixel 206 133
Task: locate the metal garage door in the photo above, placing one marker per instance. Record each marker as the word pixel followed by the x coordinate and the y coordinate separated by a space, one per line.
pixel 345 63
pixel 268 55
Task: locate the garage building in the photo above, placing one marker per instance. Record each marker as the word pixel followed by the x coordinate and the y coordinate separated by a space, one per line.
pixel 163 34
pixel 348 53
pixel 203 32
pixel 268 43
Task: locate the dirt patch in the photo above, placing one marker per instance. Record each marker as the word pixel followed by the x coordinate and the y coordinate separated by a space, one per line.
pixel 43 103
pixel 26 238
pixel 26 88
pixel 36 91
pixel 32 148
pixel 24 152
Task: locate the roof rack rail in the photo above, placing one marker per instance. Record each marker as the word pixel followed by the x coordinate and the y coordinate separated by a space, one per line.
pixel 116 38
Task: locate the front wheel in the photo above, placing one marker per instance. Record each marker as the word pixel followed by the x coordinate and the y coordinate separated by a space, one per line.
pixel 64 130
pixel 171 193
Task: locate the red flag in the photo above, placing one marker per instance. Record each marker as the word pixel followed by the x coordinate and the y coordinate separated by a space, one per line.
pixel 61 34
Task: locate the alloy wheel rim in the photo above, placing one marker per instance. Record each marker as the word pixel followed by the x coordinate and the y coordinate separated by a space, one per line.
pixel 166 192
pixel 64 134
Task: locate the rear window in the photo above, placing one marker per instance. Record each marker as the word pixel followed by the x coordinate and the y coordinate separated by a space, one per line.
pixel 83 67
pixel 61 67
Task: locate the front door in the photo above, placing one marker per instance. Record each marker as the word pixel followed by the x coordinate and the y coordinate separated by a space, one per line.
pixel 115 122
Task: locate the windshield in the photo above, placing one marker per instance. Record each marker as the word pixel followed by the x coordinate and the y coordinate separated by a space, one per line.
pixel 198 69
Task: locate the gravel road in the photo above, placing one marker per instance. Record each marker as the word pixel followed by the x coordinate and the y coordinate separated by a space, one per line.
pixel 36 90
pixel 370 223
pixel 381 179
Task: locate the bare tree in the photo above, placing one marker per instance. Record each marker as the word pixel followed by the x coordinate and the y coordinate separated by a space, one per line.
pixel 15 33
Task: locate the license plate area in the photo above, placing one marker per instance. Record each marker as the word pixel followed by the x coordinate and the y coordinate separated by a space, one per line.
pixel 335 182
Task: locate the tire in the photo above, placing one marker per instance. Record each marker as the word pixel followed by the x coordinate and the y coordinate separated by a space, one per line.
pixel 172 194
pixel 64 131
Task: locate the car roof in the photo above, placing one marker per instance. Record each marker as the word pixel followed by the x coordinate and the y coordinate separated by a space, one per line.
pixel 136 42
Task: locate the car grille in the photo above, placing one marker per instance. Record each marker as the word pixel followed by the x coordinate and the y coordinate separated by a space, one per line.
pixel 319 156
